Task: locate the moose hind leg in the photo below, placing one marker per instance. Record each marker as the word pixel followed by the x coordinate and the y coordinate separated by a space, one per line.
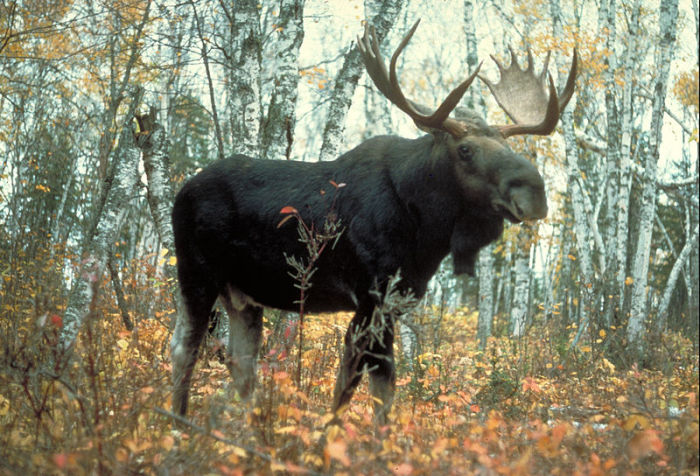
pixel 245 332
pixel 190 327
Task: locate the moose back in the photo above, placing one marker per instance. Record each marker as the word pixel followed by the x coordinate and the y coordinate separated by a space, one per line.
pixel 405 205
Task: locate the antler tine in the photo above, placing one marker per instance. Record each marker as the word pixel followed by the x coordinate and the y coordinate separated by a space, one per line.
pixel 545 67
pixel 534 107
pixel 530 61
pixel 388 84
pixel 570 83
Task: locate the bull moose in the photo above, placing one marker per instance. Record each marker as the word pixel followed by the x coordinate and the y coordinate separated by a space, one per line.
pixel 407 204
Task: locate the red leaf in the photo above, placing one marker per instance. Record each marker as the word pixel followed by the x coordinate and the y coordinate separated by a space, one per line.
pixel 60 460
pixel 288 209
pixel 56 320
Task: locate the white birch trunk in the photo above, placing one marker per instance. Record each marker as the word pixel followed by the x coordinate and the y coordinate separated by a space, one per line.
pixel 581 227
pixel 681 261
pixel 243 74
pixel 613 156
pixel 485 270
pixel 668 16
pixel 278 129
pixel 619 271
pixel 521 288
pixel 156 163
pixel 585 229
pixel 120 191
pixel 382 15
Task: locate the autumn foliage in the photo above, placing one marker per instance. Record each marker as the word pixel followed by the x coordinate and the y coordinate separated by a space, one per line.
pixel 519 407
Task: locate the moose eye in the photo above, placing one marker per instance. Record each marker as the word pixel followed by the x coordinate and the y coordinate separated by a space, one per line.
pixel 465 152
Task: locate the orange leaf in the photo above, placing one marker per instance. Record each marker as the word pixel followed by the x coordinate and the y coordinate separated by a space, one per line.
pixel 644 443
pixel 167 442
pixel 530 384
pixel 338 450
pixel 404 469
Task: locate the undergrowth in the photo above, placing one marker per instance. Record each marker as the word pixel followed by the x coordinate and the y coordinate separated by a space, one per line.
pixel 519 407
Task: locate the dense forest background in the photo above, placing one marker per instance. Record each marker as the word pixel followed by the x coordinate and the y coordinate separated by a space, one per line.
pixel 578 337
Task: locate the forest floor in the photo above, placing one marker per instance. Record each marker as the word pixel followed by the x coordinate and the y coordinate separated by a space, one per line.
pixel 523 406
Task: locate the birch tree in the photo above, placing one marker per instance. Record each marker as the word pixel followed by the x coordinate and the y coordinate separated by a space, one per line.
pixel 280 120
pixel 521 288
pixel 120 187
pixel 690 246
pixel 242 64
pixel 381 14
pixel 668 17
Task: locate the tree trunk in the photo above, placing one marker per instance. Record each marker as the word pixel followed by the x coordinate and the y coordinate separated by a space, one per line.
pixel 243 72
pixel 154 143
pixel 521 288
pixel 585 229
pixel 278 129
pixel 624 171
pixel 668 16
pixel 608 29
pixel 120 186
pixel 485 269
pixel 382 15
pixel 681 261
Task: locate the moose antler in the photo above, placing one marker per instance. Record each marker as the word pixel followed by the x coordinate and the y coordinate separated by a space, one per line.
pixel 388 84
pixel 521 94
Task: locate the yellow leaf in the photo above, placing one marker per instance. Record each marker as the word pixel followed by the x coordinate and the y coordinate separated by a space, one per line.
pixel 286 429
pixel 163 252
pixel 629 280
pixel 4 406
pixel 172 261
pixel 602 333
pixel 635 420
pixel 585 348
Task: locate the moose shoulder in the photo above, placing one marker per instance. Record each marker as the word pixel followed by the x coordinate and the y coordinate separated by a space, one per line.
pixel 406 204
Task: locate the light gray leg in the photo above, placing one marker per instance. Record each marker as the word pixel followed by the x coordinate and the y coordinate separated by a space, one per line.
pixel 245 332
pixel 190 327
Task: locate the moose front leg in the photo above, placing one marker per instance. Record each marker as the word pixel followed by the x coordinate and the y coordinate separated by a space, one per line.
pixel 382 375
pixel 368 346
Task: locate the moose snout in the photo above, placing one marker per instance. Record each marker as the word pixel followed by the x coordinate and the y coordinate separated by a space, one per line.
pixel 523 204
pixel 529 203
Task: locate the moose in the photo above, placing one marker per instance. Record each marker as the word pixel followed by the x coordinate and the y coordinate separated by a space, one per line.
pixel 405 205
